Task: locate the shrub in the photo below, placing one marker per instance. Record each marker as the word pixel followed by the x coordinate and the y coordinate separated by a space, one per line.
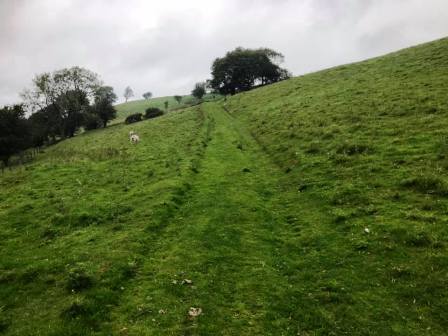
pixel 133 118
pixel 153 112
pixel 92 121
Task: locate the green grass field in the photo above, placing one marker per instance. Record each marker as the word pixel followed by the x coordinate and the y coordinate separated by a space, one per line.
pixel 314 206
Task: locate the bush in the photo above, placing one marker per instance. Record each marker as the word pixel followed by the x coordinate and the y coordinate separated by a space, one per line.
pixel 133 118
pixel 153 112
pixel 92 121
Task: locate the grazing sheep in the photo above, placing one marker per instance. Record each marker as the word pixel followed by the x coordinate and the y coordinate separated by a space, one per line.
pixel 134 138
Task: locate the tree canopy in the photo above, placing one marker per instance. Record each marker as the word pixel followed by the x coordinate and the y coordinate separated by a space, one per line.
pixel 63 96
pixel 199 90
pixel 14 132
pixel 128 93
pixel 63 101
pixel 178 99
pixel 243 69
pixel 147 95
pixel 103 106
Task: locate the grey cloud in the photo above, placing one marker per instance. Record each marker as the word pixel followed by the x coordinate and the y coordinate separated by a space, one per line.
pixel 167 46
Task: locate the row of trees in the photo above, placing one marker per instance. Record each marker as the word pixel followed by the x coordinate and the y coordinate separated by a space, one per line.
pixel 58 105
pixel 239 70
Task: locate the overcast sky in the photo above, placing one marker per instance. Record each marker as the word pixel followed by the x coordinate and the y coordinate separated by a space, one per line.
pixel 165 46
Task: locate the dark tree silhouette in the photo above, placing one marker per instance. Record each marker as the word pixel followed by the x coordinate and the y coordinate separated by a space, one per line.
pixel 128 93
pixel 178 99
pixel 147 95
pixel 242 69
pixel 199 90
pixel 103 106
pixel 14 132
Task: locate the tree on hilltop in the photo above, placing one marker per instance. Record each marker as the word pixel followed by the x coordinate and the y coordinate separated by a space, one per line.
pixel 199 90
pixel 128 93
pixel 103 105
pixel 243 69
pixel 178 99
pixel 147 95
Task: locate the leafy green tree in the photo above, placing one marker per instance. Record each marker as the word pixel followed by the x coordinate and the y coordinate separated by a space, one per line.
pixel 63 95
pixel 92 120
pixel 199 90
pixel 74 105
pixel 243 69
pixel 178 99
pixel 103 106
pixel 45 125
pixel 128 93
pixel 14 132
pixel 166 105
pixel 147 95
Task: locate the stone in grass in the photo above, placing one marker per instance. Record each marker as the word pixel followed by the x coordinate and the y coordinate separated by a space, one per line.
pixel 246 170
pixel 194 312
pixel 187 282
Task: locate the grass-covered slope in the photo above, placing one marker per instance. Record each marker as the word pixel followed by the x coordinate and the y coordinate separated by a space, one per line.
pixel 366 146
pixel 139 106
pixel 76 224
pixel 315 206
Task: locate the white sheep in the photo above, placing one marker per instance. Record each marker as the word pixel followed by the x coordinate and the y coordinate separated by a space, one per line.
pixel 133 137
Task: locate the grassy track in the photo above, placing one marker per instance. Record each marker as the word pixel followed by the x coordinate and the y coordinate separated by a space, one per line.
pixel 224 240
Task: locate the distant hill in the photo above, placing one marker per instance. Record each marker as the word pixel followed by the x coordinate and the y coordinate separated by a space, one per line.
pixel 313 206
pixel 139 106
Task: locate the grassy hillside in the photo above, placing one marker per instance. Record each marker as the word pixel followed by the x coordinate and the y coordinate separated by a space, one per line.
pixel 139 106
pixel 315 206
